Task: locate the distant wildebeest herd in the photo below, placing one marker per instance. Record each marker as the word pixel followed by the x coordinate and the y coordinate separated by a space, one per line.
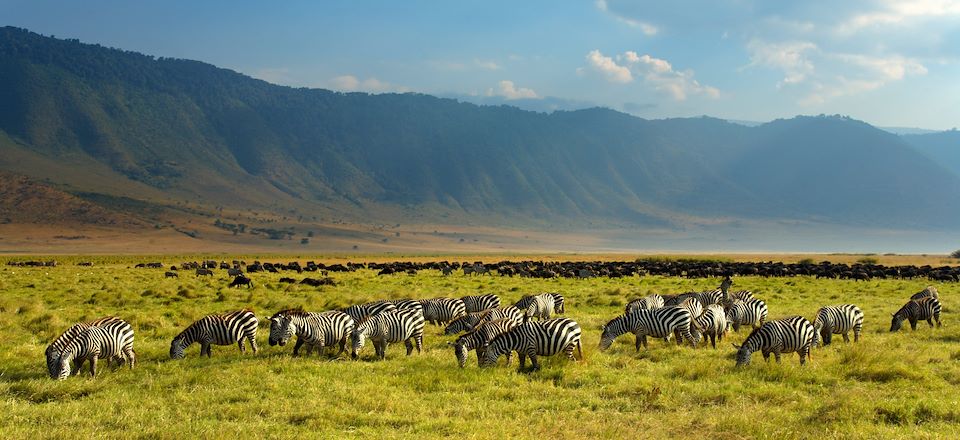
pixel 528 327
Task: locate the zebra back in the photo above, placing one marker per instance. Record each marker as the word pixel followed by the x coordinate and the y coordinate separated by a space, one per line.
pixel 388 327
pixel 752 312
pixel 929 291
pixel 649 302
pixel 225 329
pixel 55 349
pixel 509 312
pixel 480 303
pixel 541 306
pixel 407 304
pixel 442 310
pixel 659 323
pixel 465 323
pixel 363 312
pixel 693 305
pixel 787 335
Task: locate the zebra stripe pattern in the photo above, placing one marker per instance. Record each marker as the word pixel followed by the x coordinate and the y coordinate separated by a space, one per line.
pixel 712 323
pixel 441 311
pixel 472 320
pixel 558 302
pixel 480 303
pixel 224 329
pixel 693 306
pixel 387 327
pixel 542 338
pixel 95 343
pixel 55 350
pixel 363 312
pixel 406 304
pixel 927 309
pixel 930 291
pixel 317 330
pixel 742 295
pixel 660 323
pixel 479 337
pixel 788 335
pixel 541 306
pixel 649 302
pixel 837 320
pixel 752 312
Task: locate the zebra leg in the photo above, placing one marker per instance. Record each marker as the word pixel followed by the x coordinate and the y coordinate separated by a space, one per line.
pixel 713 341
pixel 206 348
pixel 766 355
pixel 913 323
pixel 419 340
pixel 253 343
pixel 534 363
pixel 77 363
pixel 93 365
pixel 131 356
pixel 523 358
pixel 930 321
pixel 240 344
pixel 409 346
pixel 579 349
pixel 296 347
pixel 846 338
pixel 776 354
pixel 856 335
pixel 569 352
pixel 509 357
pixel 343 346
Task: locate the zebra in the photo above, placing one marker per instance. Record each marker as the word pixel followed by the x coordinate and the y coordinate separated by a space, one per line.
pixel 441 311
pixel 317 330
pixel 362 312
pixel 558 302
pixel 94 343
pixel 509 312
pixel 921 309
pixel 930 291
pixel 693 305
pixel 725 287
pixel 649 302
pixel 543 338
pixel 541 306
pixel 480 303
pixel 395 326
pixel 742 295
pixel 838 320
pixel 712 323
pixel 217 329
pixel 753 312
pixel 55 350
pixel 477 339
pixel 787 335
pixel 659 323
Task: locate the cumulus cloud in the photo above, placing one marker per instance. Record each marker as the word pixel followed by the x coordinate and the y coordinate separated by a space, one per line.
pixel 791 57
pixel 655 72
pixel 350 83
pixel 507 89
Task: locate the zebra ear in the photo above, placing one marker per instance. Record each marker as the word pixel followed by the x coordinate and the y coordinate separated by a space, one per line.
pixel 450 343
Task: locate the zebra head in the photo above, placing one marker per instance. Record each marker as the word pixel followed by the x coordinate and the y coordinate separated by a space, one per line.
pixel 743 354
pixel 281 329
pixel 63 367
pixel 357 339
pixel 53 361
pixel 896 322
pixel 177 348
pixel 460 349
pixel 492 351
pixel 611 331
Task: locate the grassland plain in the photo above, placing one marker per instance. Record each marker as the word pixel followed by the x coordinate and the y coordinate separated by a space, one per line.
pixel 890 385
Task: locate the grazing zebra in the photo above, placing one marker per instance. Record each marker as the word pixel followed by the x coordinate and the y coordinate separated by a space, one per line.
pixel 712 323
pixel 837 320
pixel 363 312
pixel 55 350
pixel 479 337
pixel 441 311
pixel 317 330
pixel 387 327
pixel 752 312
pixel 921 309
pixel 97 343
pixel 660 323
pixel 543 338
pixel 649 302
pixel 930 291
pixel 217 329
pixel 787 335
pixel 406 304
pixel 509 312
pixel 541 306
pixel 480 303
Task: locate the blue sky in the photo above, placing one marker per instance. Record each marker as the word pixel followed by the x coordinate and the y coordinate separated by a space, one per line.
pixel 890 63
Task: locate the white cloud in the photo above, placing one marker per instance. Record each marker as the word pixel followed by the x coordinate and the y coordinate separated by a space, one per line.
pixel 891 68
pixel 792 57
pixel 509 90
pixel 647 28
pixel 899 12
pixel 655 72
pixel 350 83
pixel 486 65
pixel 612 71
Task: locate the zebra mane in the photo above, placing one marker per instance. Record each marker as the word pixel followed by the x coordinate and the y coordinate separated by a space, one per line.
pixel 291 312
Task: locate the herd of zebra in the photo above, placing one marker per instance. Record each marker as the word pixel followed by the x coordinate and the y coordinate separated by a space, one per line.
pixel 527 327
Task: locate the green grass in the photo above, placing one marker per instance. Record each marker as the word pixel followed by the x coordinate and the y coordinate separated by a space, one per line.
pixel 890 385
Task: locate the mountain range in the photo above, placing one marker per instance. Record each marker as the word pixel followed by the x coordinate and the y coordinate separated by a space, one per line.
pixel 135 133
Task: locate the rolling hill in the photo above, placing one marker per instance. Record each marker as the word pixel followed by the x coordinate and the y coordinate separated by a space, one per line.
pixel 106 124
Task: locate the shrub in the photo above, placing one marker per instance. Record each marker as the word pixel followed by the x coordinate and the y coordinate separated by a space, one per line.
pixel 868 260
pixel 955 254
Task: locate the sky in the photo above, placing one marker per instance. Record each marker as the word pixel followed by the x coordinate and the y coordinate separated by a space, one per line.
pixel 888 62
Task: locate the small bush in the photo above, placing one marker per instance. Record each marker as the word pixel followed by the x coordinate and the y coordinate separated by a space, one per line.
pixel 955 254
pixel 868 260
